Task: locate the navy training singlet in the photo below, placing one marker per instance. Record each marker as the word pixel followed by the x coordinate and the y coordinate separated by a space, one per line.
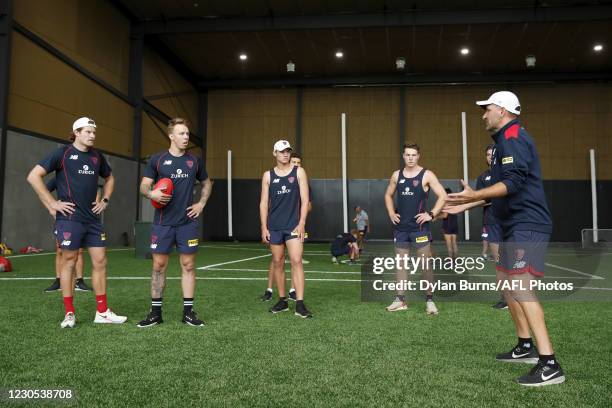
pixel 284 201
pixel 411 200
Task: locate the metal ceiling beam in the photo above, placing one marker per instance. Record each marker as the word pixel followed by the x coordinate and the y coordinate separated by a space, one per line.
pixel 412 18
pixel 172 59
pixel 449 79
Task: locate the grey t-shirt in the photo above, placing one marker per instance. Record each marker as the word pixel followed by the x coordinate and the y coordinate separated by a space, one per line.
pixel 362 218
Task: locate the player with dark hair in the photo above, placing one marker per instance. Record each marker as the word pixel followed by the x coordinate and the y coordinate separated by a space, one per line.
pixel 519 203
pixel 77 225
pixel 175 224
pixel 411 220
pixel 345 244
pixel 283 209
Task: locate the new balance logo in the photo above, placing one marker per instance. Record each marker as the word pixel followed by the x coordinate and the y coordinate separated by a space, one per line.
pixel 74 157
pixel 402 181
pixel 167 162
pixel 276 181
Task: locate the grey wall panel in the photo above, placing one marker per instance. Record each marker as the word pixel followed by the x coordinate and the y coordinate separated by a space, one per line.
pixel 25 220
pixel 121 213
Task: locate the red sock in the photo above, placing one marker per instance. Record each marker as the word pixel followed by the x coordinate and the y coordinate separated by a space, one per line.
pixel 68 306
pixel 101 303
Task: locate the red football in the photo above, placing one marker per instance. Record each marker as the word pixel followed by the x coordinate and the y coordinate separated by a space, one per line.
pixel 166 186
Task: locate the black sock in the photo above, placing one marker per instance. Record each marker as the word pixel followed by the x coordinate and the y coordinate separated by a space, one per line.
pixel 525 343
pixel 401 298
pixel 548 360
pixel 429 297
pixel 156 306
pixel 282 299
pixel 187 305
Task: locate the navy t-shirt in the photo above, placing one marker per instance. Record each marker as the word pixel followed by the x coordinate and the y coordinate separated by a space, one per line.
pixel 484 181
pixel 184 171
pixel 76 178
pixel 341 241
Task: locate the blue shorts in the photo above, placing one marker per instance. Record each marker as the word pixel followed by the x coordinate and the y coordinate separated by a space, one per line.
pixel 72 235
pixel 341 251
pixel 278 237
pixel 165 237
pixel 415 239
pixel 523 252
pixel 492 233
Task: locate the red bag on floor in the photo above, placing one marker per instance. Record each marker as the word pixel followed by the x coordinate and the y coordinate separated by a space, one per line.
pixel 5 265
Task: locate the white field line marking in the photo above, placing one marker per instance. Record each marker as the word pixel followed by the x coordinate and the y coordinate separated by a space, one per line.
pixel 226 278
pixel 573 270
pixel 235 261
pixel 316 253
pixel 53 253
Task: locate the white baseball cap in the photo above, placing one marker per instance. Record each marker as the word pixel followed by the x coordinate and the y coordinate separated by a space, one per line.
pixel 282 145
pixel 504 99
pixel 82 122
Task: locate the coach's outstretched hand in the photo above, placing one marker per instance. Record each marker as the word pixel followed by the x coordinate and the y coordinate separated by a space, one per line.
pixel 195 210
pixel 63 207
pixel 466 196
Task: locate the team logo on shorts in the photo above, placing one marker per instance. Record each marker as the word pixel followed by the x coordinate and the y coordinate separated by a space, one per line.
pixel 192 242
pixel 415 183
pixel 94 160
pixel 420 240
pixel 102 237
pixel 291 179
pixel 189 163
pixel 153 239
pixel 67 235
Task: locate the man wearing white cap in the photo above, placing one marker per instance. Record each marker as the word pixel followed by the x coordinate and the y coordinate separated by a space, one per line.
pixel 519 204
pixel 283 210
pixel 77 225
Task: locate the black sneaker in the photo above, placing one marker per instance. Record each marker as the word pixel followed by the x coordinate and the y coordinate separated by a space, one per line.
pixel 280 306
pixel 267 296
pixel 293 296
pixel 543 374
pixel 500 305
pixel 80 285
pixel 191 319
pixel 520 354
pixel 301 311
pixel 151 320
pixel 54 286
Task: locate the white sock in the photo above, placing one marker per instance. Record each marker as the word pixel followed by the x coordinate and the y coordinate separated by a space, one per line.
pixel 269 290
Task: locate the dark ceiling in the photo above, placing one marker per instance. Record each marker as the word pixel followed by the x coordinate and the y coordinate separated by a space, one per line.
pixel 208 36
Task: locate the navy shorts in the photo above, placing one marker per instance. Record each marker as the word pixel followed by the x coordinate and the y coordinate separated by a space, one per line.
pixel 492 233
pixel 523 252
pixel 453 230
pixel 415 239
pixel 165 237
pixel 341 251
pixel 72 235
pixel 363 231
pixel 278 237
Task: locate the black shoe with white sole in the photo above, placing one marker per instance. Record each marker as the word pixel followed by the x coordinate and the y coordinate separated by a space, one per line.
pixel 152 319
pixel 267 296
pixel 55 286
pixel 81 286
pixel 500 305
pixel 281 306
pixel 293 295
pixel 543 374
pixel 520 354
pixel 302 311
pixel 191 319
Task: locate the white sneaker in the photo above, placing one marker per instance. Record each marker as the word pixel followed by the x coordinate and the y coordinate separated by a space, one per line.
pixel 396 306
pixel 334 260
pixel 69 321
pixel 109 317
pixel 430 308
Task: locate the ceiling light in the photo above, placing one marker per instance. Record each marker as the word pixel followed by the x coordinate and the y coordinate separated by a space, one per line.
pixel 530 61
pixel 400 63
pixel 243 57
pixel 465 51
pixel 597 47
pixel 290 66
pixel 339 54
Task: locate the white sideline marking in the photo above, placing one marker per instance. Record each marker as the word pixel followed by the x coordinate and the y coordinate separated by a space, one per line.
pixel 236 261
pixel 573 270
pixel 242 248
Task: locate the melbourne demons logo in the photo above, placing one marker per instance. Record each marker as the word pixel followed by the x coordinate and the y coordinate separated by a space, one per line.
pixel 94 160
pixel 153 241
pixel 67 235
pixel 189 163
pixel 291 179
pixel 415 183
